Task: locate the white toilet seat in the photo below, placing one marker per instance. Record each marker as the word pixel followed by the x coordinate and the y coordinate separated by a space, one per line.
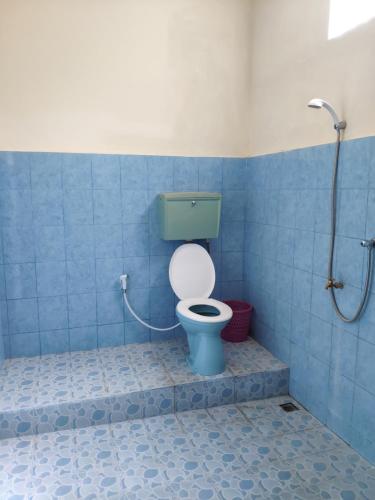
pixel 225 312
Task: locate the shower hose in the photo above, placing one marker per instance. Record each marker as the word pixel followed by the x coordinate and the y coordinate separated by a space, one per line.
pixel 369 244
pixel 123 281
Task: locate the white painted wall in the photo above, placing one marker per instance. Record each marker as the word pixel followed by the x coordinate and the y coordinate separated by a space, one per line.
pixel 293 61
pixel 129 76
pixel 185 77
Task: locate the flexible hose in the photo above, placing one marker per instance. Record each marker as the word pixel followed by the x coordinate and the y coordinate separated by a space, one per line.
pixel 363 302
pixel 143 322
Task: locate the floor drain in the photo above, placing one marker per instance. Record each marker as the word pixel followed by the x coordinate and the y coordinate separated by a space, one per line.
pixel 289 407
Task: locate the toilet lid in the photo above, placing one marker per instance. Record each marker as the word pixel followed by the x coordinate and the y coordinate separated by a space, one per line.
pixel 191 272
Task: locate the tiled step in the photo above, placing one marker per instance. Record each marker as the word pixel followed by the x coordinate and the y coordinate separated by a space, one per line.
pixel 247 450
pixel 75 390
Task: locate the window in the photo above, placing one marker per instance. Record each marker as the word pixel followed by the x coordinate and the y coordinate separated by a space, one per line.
pixel 345 15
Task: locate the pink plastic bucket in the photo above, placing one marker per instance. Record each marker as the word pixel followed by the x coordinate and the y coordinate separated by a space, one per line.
pixel 237 330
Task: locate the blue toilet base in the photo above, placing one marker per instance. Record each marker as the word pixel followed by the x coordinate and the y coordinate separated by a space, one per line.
pixel 206 356
pixel 203 369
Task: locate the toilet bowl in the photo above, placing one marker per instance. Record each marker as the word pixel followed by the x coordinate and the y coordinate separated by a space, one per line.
pixel 192 277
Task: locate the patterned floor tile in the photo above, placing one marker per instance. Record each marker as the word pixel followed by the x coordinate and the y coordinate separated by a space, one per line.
pixel 162 423
pixel 139 380
pixel 225 414
pixel 201 489
pixel 201 454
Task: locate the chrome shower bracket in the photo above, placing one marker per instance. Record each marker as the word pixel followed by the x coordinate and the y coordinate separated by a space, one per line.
pixel 340 125
pixel 368 243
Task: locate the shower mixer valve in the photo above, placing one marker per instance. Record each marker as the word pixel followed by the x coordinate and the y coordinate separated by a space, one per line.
pixel 331 283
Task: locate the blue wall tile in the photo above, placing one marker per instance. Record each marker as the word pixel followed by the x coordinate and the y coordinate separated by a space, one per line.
pixel 269 242
pixel 23 316
pixel 4 326
pixel 300 327
pixel 71 224
pixel 284 281
pixel 139 298
pixel 51 278
pixel 2 346
pixel 363 423
pixel 108 241
pixel 15 170
pixel 323 157
pixel 340 404
pixel 210 174
pixel 185 174
pixel 80 276
pixel 54 342
pixel 305 209
pixel 107 206
pixel 110 307
pixel 320 301
pixel 49 243
pixel 27 344
pixel 232 236
pixel 330 361
pixel 344 352
pixel 48 207
pixel 302 289
pixel 15 207
pixel 367 323
pixel 352 208
pixel 371 159
pixel 233 173
pixel 18 245
pixel 108 272
pixel 134 173
pixel 135 240
pixel 79 242
pixel 76 171
pixel 161 302
pixel 46 170
pixel 322 211
pixel 285 246
pixel 318 387
pixel 303 250
pixel 53 313
pixel 78 206
pixel 233 208
pixel 138 271
pixel 82 339
pixel 320 337
pixel 159 266
pixel 365 366
pixel 355 153
pixel 363 413
pixel 20 281
pixel 232 266
pixel 135 333
pixel 287 208
pixel 135 206
pixel 110 335
pixel 370 221
pixel 2 283
pixel 321 250
pixel 160 173
pixel 106 171
pixel 82 309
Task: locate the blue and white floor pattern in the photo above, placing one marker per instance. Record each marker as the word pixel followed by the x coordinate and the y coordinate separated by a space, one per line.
pixel 252 450
pixel 74 390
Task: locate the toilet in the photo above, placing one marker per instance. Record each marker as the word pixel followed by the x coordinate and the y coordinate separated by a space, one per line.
pixel 192 278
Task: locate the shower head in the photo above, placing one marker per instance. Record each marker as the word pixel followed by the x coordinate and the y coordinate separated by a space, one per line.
pixel 320 103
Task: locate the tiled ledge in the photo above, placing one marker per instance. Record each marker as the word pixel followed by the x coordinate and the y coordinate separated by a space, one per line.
pixel 80 389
